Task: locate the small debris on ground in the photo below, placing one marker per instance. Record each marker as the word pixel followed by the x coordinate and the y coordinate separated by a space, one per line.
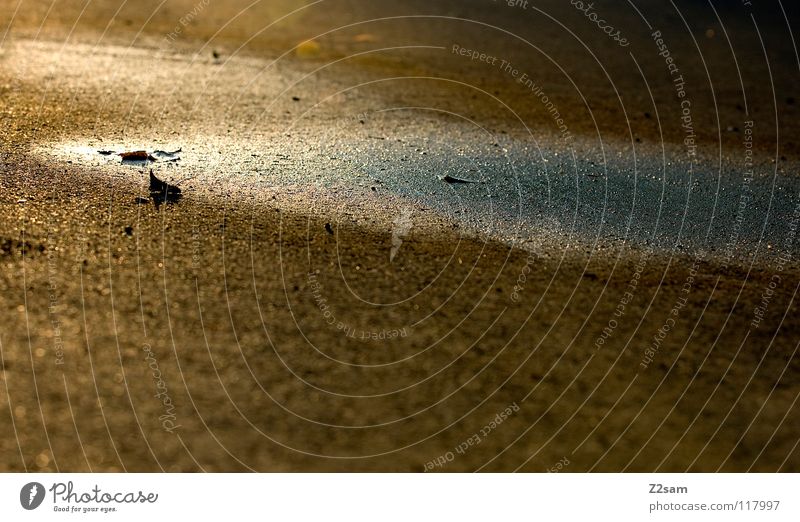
pixel 364 38
pixel 141 155
pixel 451 179
pixel 168 156
pixel 163 192
pixel 307 49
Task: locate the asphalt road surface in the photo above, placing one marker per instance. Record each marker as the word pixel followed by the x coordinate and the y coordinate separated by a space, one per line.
pixel 407 236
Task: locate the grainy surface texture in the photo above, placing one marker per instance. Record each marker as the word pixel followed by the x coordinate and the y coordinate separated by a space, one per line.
pixel 410 236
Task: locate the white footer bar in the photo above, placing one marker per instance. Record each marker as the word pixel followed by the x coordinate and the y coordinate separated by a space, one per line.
pixel 400 497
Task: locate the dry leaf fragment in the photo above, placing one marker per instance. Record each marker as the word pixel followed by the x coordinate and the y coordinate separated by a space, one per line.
pixel 139 155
